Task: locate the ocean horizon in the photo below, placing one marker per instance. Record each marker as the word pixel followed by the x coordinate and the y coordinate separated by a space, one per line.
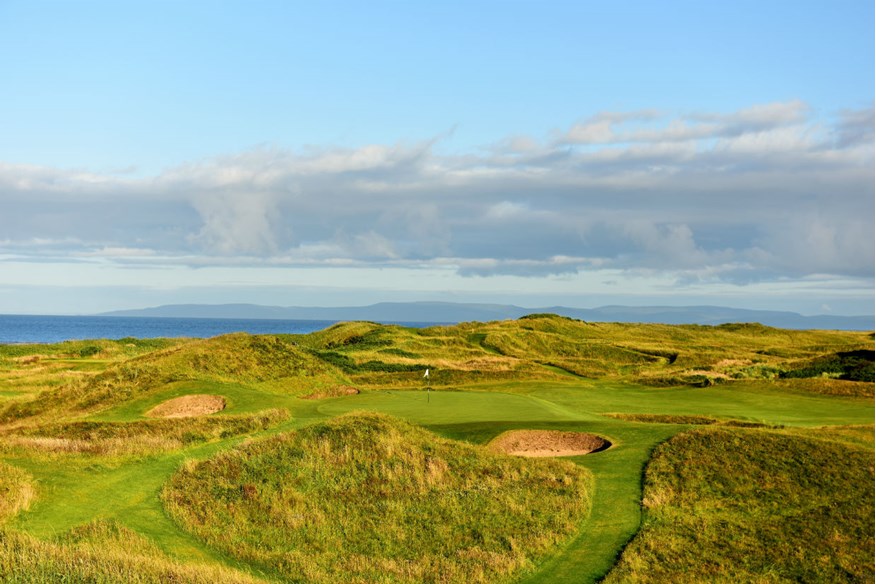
pixel 46 329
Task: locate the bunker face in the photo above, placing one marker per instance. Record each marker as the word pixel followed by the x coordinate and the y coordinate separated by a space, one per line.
pixel 545 443
pixel 188 406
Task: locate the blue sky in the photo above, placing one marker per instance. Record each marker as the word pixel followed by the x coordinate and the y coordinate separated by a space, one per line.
pixel 339 153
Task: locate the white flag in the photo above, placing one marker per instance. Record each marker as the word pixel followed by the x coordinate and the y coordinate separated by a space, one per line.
pixel 426 375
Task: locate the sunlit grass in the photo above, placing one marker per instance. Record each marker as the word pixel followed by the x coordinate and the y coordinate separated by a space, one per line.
pixel 755 506
pixel 84 463
pixel 367 498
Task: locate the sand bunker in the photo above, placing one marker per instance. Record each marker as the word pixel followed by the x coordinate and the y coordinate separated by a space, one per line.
pixel 188 406
pixel 547 443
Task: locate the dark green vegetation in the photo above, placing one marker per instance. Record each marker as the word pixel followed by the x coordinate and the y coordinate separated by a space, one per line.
pixel 280 488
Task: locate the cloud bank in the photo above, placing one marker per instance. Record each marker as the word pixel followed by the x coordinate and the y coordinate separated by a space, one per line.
pixel 767 193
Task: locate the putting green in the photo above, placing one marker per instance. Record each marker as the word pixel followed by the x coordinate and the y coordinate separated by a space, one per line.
pixel 479 415
pixel 557 402
pixel 73 491
pixel 453 407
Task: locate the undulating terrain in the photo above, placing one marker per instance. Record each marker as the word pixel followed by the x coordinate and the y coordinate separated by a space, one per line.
pixel 737 453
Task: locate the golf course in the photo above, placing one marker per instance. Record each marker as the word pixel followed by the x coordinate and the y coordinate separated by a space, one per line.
pixel 543 449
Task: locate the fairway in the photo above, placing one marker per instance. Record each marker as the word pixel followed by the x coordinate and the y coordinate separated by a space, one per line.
pixel 481 415
pixel 95 462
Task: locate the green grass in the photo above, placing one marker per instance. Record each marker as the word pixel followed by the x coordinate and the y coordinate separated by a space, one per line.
pixel 633 384
pixel 139 437
pixel 739 505
pixel 97 559
pixel 16 491
pixel 478 417
pixel 366 498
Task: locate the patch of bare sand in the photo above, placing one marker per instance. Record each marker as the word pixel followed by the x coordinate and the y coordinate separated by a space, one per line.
pixel 542 443
pixel 337 391
pixel 188 406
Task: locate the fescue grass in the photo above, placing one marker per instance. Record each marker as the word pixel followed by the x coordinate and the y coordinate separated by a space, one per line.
pixel 735 505
pixel 89 558
pixel 75 440
pixel 548 346
pixel 665 419
pixel 366 498
pixel 141 437
pixel 16 491
pixel 232 359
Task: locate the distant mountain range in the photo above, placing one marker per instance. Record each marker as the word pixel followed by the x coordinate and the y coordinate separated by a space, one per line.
pixel 450 312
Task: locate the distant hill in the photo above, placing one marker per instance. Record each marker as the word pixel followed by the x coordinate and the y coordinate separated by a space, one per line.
pixel 450 312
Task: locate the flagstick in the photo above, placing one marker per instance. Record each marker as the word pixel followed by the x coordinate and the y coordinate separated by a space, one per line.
pixel 426 375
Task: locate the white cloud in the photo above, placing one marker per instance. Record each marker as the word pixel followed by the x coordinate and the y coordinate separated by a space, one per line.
pixel 763 193
pixel 235 222
pixel 610 128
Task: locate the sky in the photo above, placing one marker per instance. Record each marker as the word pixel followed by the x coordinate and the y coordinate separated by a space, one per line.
pixel 534 153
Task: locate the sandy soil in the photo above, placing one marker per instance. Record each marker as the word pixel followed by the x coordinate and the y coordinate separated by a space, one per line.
pixel 539 443
pixel 188 406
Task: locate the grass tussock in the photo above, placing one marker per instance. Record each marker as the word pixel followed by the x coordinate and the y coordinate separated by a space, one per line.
pixel 735 505
pixel 367 498
pixel 16 491
pixel 664 419
pixel 336 391
pixel 140 437
pixel 101 553
pixel 828 386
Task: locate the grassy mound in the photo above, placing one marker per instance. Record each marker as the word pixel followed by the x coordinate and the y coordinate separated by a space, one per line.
pixel 366 497
pixel 734 505
pixel 236 358
pixel 547 346
pixel 100 553
pixel 239 357
pixel 141 437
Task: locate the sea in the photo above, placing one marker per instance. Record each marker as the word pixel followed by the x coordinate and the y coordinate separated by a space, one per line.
pixel 16 329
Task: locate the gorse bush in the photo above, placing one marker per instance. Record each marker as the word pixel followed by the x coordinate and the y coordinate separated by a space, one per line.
pixel 848 365
pixel 367 498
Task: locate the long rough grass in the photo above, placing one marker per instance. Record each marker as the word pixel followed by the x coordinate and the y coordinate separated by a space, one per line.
pixel 139 437
pixel 101 554
pixel 378 501
pixel 733 505
pixel 367 498
pixel 16 491
pixel 542 346
pixel 239 358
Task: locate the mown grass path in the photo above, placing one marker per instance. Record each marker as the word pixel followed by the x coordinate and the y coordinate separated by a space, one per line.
pixel 72 494
pixel 616 504
pixel 480 415
pixel 74 490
